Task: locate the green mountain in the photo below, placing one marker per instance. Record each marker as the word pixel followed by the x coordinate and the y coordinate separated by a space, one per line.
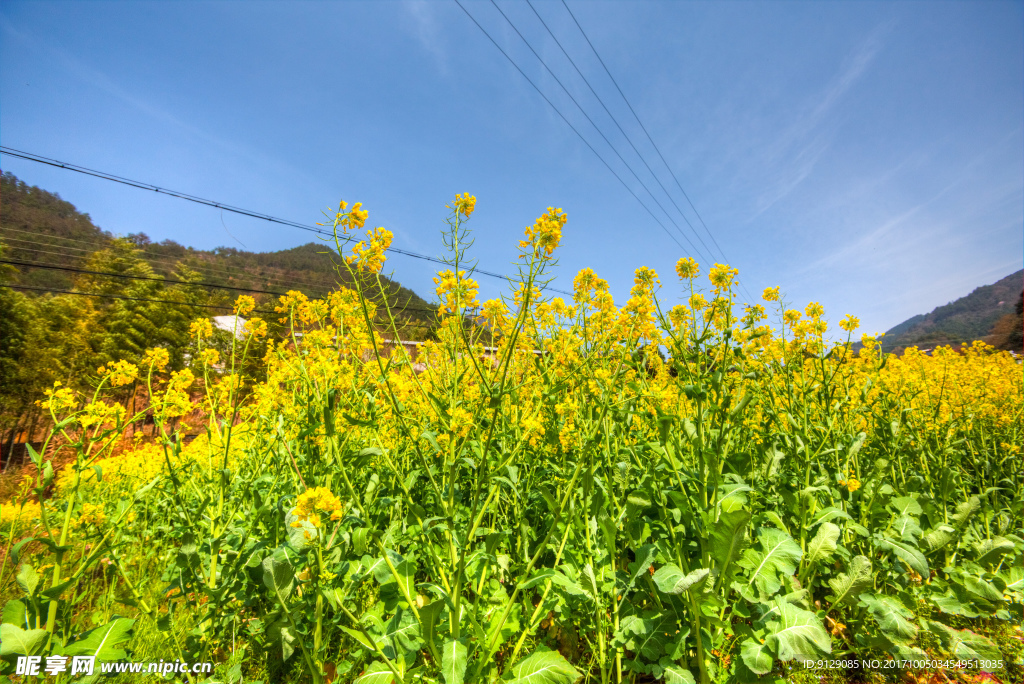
pixel 990 313
pixel 38 227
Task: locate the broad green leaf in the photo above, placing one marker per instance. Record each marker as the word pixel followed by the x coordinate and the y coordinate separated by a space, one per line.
pixel 1014 579
pixel 733 497
pixel 556 577
pixel 906 553
pixel 504 631
pixel 824 543
pixel 677 674
pixel 15 613
pixel 728 536
pixel 892 616
pixel 797 634
pixel 401 633
pixel 991 550
pixel 964 512
pixel 847 586
pixel 829 513
pixel 28 579
pixel 430 615
pixel 17 641
pixel 644 635
pixel 671 580
pixel 644 557
pixel 281 636
pixel 543 667
pixel 775 519
pixel 949 603
pixel 935 539
pixel 908 528
pixel 756 656
pixel 103 642
pixel 906 505
pixel 778 554
pixel 376 673
pixel 981 588
pixel 278 576
pixel 963 643
pixel 453 661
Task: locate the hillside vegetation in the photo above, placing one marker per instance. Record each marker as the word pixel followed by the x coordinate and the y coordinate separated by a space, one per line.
pixel 86 298
pixel 988 314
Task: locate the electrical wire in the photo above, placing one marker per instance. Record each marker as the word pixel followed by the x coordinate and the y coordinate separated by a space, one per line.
pixel 655 146
pixel 96 246
pixel 569 124
pixel 635 116
pixel 596 127
pixel 135 299
pixel 28 156
pixel 617 125
pixel 166 280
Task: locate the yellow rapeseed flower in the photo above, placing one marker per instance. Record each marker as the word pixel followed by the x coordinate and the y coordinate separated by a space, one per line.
pixel 687 268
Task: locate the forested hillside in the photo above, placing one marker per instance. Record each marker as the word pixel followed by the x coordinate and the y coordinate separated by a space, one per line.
pixel 76 297
pixel 988 313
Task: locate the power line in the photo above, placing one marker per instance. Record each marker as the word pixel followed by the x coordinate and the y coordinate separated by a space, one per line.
pixel 96 246
pixel 569 124
pixel 635 116
pixel 28 156
pixel 617 125
pixel 165 280
pixel 592 123
pixel 78 256
pixel 135 299
pixel 654 145
pixel 156 279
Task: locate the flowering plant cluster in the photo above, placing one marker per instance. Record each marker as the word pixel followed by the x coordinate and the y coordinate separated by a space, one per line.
pixel 680 488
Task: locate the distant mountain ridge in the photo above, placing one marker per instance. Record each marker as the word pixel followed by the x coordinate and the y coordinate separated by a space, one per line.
pixel 38 226
pixel 990 313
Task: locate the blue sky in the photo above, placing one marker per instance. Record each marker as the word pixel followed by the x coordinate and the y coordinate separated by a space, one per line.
pixel 866 155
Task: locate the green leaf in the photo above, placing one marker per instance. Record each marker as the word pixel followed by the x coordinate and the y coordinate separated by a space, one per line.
pixel 401 633
pixel 906 505
pixel 15 613
pixel 892 616
pixel 430 615
pixel 17 641
pixel 543 667
pixel 949 603
pixel 981 588
pixel 671 580
pixel 823 545
pixel 102 642
pixel 963 643
pixel 281 636
pixel 797 633
pixel 778 554
pixel 556 577
pixel 454 660
pixel 376 673
pixel 906 553
pixel 728 535
pixel 677 674
pixel 847 586
pixel 756 656
pixel 361 638
pixel 53 593
pixel 991 550
pixel 28 579
pixel 278 576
